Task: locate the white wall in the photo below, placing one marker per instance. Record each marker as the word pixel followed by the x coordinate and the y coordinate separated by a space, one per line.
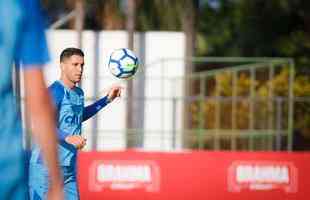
pixel 160 86
pixel 152 47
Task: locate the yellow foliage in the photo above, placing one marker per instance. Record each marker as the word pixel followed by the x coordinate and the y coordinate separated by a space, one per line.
pixel 279 86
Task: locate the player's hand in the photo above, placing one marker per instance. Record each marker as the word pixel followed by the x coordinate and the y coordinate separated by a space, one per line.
pixel 55 192
pixel 114 91
pixel 76 140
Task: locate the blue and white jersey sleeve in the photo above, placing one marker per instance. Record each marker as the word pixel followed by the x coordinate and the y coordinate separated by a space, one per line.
pixel 31 49
pixel 57 93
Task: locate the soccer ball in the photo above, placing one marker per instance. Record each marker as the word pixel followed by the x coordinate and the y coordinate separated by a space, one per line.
pixel 123 63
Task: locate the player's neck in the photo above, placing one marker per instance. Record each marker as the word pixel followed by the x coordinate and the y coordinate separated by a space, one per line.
pixel 67 83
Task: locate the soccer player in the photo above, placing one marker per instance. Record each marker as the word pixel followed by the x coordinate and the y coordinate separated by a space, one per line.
pixel 22 40
pixel 69 102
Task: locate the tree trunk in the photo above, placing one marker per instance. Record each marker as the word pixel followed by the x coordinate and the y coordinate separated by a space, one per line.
pixel 189 28
pixel 130 26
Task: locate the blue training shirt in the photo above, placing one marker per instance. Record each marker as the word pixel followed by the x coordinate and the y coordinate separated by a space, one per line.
pixel 70 111
pixel 22 39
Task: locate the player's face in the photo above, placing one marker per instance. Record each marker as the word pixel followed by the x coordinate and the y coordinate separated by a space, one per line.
pixel 72 68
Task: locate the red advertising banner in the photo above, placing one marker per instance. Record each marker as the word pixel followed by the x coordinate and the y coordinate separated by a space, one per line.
pixel 194 175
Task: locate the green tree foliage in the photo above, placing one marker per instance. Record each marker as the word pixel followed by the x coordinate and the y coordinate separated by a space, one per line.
pixel 160 15
pixel 256 28
pixel 273 28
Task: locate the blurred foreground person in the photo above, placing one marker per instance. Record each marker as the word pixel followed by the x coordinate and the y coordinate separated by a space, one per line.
pixel 23 42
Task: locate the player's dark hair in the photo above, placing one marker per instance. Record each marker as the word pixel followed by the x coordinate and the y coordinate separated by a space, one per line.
pixel 68 52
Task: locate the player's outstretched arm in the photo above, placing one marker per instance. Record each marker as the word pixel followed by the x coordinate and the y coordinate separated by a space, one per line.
pixel 44 130
pixel 91 110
